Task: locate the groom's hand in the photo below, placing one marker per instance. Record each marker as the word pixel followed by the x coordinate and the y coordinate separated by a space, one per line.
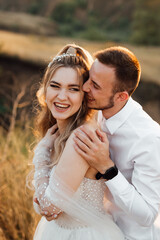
pixel 50 213
pixel 93 146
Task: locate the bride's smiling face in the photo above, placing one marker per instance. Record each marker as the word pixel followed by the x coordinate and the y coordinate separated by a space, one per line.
pixel 64 93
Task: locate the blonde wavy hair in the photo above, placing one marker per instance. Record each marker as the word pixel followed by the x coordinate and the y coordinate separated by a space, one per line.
pixel 81 61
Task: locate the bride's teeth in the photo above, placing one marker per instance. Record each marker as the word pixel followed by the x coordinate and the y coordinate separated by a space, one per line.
pixel 61 105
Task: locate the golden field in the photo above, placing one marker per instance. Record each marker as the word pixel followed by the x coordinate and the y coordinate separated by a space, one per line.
pixel 17 217
pixel 40 49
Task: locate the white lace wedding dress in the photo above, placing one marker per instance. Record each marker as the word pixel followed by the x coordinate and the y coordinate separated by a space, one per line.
pixel 83 216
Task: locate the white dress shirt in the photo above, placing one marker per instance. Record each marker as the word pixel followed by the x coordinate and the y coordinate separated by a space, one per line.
pixel 135 192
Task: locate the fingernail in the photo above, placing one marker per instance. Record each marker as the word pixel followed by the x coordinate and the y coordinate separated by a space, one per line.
pixel 55 215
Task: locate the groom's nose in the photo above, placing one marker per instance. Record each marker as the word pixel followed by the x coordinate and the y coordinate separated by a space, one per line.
pixel 86 86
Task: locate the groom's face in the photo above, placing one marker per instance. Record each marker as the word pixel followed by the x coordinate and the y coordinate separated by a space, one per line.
pixel 99 86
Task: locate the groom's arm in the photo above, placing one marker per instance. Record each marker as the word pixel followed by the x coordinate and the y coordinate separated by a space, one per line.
pixel 140 198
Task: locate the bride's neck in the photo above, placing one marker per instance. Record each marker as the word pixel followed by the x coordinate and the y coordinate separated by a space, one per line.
pixel 62 125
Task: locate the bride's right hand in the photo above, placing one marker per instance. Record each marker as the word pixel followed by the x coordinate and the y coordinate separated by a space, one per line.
pixel 50 137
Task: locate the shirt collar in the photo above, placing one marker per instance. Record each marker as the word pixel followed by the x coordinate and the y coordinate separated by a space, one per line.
pixel 113 123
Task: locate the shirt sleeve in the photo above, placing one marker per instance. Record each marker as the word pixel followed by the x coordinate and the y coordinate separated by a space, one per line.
pixel 140 199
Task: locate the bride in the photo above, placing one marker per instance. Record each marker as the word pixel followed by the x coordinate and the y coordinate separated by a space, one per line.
pixel 64 182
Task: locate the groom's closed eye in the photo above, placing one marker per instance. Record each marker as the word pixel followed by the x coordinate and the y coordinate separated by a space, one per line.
pixel 95 85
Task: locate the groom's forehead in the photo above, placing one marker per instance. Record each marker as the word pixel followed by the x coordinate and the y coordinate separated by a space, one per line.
pixel 100 72
pixel 95 68
pixel 99 67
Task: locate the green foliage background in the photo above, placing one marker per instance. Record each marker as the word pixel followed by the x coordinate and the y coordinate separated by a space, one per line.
pixel 135 21
pixel 146 22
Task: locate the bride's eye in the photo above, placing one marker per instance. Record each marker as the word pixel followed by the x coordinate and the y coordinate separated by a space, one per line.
pixel 54 85
pixel 74 89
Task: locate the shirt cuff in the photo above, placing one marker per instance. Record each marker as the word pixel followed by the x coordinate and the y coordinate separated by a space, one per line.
pixel 117 184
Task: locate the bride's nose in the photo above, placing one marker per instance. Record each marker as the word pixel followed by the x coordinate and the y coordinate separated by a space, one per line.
pixel 86 86
pixel 62 95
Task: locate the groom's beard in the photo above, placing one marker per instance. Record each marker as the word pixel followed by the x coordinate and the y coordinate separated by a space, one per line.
pixel 107 106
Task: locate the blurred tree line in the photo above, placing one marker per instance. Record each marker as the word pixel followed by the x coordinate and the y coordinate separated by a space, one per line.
pixel 135 21
pixel 146 22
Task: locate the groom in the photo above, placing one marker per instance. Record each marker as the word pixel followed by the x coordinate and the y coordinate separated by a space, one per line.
pixel 129 159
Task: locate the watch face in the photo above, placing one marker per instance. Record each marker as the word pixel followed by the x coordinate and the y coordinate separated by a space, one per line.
pixel 110 173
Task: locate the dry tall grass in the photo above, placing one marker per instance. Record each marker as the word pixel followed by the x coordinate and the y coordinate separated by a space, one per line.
pixel 17 217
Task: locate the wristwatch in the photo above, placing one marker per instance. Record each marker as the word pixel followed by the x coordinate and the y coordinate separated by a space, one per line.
pixel 109 173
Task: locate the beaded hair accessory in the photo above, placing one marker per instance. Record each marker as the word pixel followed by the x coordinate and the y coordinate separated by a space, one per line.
pixel 71 52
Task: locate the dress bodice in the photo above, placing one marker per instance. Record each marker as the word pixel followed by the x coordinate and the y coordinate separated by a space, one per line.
pixel 92 191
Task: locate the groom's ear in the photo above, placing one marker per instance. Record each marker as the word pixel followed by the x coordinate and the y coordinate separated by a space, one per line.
pixel 122 96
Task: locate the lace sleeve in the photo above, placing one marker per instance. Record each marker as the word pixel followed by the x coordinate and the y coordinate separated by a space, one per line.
pixel 41 161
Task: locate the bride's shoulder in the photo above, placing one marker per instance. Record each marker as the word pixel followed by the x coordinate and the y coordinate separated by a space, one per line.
pixel 92 125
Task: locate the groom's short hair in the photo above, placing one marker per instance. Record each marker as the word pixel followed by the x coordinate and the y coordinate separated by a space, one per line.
pixel 126 65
